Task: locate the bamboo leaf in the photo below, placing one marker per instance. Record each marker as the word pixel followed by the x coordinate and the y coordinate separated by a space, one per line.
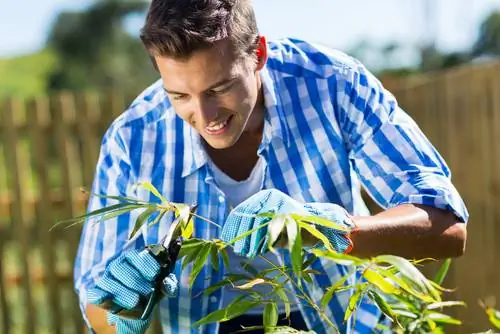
pixel 144 216
pixel 199 263
pixel 191 255
pixel 354 301
pixel 291 231
pixel 234 309
pixel 442 272
pixel 214 257
pixel 404 313
pixel 309 261
pixel 321 221
pixel 188 230
pixel 216 286
pixel 247 233
pixel 275 228
pixel 149 186
pixel 158 218
pixel 296 256
pixel 449 303
pixel 331 290
pixel 342 259
pixel 282 294
pixel 407 287
pixel 411 272
pixel 493 316
pixel 443 318
pixel 384 306
pixel 378 280
pixel 252 283
pixel 225 257
pixel 270 315
pixel 249 268
pixel 317 234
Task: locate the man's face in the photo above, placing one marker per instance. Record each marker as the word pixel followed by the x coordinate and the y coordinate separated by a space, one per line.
pixel 214 92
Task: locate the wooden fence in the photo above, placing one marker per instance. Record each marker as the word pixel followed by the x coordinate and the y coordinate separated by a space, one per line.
pixel 49 147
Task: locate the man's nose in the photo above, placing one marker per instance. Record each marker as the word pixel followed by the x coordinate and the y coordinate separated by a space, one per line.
pixel 207 108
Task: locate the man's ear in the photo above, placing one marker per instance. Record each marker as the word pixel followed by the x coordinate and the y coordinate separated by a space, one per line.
pixel 261 53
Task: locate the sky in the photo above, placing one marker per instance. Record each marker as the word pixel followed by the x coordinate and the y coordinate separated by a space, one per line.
pixel 339 23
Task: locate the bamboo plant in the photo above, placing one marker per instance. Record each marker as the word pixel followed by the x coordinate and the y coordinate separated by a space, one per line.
pixel 413 302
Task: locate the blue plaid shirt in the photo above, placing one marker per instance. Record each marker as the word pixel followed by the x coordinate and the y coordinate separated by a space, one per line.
pixel 329 127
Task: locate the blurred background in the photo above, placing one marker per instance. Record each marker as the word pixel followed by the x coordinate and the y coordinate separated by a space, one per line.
pixel 68 68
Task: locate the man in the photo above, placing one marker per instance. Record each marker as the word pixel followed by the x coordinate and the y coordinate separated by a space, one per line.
pixel 240 122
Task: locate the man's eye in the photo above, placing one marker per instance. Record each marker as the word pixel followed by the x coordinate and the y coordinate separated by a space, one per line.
pixel 178 97
pixel 222 90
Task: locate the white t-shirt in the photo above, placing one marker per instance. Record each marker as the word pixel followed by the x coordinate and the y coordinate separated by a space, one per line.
pixel 236 192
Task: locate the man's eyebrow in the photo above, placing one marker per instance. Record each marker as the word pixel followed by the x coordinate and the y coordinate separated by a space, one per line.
pixel 217 84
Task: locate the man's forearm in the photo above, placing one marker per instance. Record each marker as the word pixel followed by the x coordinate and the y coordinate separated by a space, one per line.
pixel 98 320
pixel 411 231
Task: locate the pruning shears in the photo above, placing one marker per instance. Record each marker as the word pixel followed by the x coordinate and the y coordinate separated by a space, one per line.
pixel 166 253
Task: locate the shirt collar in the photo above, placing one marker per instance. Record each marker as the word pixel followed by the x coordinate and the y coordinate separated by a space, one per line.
pixel 275 126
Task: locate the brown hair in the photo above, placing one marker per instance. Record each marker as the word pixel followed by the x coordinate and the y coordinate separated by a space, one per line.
pixel 177 28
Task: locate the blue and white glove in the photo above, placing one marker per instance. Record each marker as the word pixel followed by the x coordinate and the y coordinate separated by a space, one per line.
pixel 126 280
pixel 340 240
pixel 242 219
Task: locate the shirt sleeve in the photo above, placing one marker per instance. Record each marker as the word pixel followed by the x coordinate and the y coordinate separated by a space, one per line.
pixel 102 241
pixel 395 161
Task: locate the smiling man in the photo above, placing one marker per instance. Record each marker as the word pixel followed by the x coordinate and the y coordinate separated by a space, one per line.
pixel 240 125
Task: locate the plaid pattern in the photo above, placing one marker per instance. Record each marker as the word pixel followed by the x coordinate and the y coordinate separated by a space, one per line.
pixel 329 126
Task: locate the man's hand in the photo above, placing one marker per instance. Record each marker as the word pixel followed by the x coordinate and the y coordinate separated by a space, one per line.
pixel 244 218
pixel 126 281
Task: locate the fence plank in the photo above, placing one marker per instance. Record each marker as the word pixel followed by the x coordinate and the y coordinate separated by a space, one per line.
pixel 4 307
pixel 12 153
pixel 39 117
pixel 88 117
pixel 64 112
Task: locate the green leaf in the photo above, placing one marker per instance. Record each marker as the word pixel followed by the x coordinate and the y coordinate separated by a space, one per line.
pixel 282 294
pixel 331 290
pixel 199 262
pixel 252 283
pixel 292 231
pixel 342 259
pixel 216 286
pixel 191 255
pixel 234 309
pixel 249 268
pixel 270 315
pixel 354 301
pixel 225 257
pixel 317 234
pixel 148 186
pixel 144 216
pixel 443 318
pixel 378 280
pixel 384 306
pixel 411 272
pixel 309 261
pixel 321 221
pixel 404 313
pixel 214 257
pixel 407 287
pixel 188 230
pixel 296 254
pixel 275 228
pixel 442 272
pixel 158 218
pixel 449 303
pixel 494 317
pixel 247 233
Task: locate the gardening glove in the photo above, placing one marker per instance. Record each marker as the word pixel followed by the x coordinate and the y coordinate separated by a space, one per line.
pixel 340 240
pixel 242 219
pixel 126 281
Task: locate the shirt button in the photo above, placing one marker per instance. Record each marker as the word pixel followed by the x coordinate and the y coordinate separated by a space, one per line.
pixel 221 199
pixel 213 299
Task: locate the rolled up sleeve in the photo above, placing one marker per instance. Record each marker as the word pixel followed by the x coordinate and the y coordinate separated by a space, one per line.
pixel 396 162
